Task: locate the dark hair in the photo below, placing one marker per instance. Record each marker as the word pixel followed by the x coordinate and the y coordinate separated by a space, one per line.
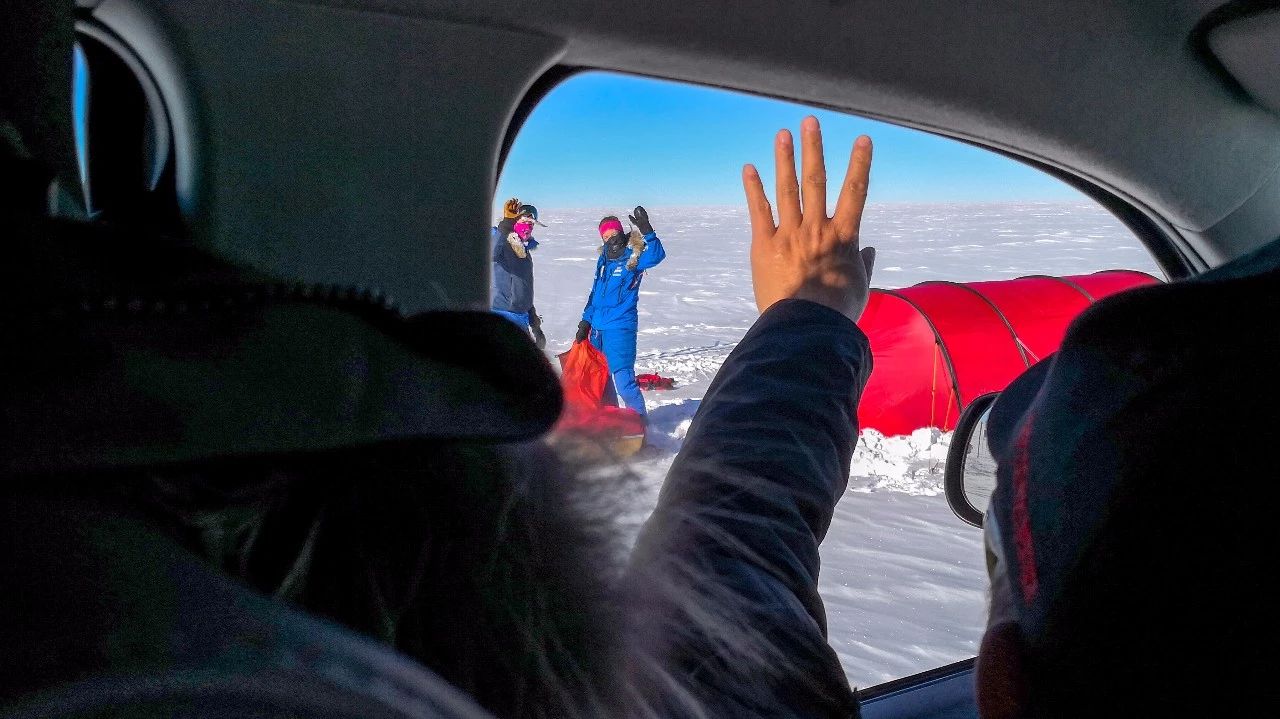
pixel 499 567
pixel 608 218
pixel 483 562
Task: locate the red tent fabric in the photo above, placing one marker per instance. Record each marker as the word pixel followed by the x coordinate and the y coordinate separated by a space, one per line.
pixel 939 345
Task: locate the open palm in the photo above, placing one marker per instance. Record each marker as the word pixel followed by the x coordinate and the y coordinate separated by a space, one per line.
pixel 807 255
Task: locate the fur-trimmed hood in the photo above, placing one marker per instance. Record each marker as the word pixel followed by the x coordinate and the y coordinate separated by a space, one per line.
pixel 636 242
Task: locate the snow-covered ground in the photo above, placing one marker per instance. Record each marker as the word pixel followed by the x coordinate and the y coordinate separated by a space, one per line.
pixel 902 577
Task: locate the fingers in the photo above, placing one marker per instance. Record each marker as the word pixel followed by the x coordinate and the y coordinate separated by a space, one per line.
pixel 757 203
pixel 788 192
pixel 813 169
pixel 868 260
pixel 853 193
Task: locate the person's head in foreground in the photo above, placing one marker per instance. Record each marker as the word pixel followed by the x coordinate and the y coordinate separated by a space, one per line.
pixel 1128 539
pixel 390 474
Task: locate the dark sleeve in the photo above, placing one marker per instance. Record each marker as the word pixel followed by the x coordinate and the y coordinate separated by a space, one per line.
pixel 724 575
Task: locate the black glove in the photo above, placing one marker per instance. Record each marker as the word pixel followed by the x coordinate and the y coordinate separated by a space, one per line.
pixel 584 329
pixel 640 218
pixel 535 324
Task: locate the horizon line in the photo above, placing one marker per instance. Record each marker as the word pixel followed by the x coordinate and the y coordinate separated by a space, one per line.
pixel 735 206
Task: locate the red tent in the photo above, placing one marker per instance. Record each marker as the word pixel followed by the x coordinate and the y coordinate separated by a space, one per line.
pixel 939 345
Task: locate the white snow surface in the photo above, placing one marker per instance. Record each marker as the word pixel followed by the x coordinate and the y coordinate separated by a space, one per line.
pixel 902 577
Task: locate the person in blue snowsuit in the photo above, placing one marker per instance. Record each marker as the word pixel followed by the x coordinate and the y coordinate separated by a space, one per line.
pixel 513 243
pixel 610 319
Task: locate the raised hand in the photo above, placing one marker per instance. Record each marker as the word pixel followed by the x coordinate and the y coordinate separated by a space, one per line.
pixel 808 255
pixel 640 218
pixel 511 209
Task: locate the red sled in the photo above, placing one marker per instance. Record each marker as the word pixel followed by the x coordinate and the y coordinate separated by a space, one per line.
pixel 654 381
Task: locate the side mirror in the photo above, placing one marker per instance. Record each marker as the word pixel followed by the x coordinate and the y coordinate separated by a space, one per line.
pixel 970 475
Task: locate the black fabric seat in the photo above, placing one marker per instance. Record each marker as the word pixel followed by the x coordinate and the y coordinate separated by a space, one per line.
pixel 104 615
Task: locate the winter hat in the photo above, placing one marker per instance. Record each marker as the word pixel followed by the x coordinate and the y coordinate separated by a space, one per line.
pixel 532 212
pixel 610 222
pixel 1115 515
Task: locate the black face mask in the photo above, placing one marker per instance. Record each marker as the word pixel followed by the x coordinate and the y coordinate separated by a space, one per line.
pixel 614 246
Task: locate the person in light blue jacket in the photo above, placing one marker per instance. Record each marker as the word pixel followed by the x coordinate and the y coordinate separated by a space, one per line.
pixel 610 319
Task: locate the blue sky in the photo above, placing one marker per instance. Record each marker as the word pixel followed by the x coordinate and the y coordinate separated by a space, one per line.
pixel 605 140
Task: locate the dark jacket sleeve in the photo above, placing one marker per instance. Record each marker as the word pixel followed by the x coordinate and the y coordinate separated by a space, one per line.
pixel 724 575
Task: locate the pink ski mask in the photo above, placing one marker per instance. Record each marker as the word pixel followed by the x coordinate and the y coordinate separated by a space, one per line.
pixel 524 229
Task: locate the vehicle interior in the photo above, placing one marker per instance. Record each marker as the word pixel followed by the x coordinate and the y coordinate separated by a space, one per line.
pixel 354 143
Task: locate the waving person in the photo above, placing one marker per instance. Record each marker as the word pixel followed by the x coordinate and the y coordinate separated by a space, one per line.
pixel 513 242
pixel 610 319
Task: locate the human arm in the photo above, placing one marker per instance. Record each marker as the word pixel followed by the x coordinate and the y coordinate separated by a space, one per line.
pixel 517 247
pixel 535 325
pixel 507 246
pixel 654 252
pixel 511 209
pixel 502 234
pixel 724 574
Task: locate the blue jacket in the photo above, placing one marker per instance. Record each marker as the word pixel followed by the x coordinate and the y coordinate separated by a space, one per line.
pixel 724 576
pixel 616 290
pixel 512 274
